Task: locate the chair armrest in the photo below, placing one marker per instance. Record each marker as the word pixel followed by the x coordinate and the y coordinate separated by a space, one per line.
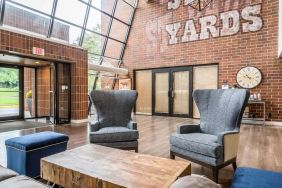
pixel 132 125
pixel 184 129
pixel 94 126
pixel 222 135
pixel 230 142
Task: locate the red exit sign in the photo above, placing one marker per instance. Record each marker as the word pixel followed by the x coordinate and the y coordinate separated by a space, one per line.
pixel 38 51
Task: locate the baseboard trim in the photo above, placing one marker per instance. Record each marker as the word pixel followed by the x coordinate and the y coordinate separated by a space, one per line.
pixel 273 123
pixel 78 121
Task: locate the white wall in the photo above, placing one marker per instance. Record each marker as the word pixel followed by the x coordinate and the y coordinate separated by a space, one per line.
pixel 280 30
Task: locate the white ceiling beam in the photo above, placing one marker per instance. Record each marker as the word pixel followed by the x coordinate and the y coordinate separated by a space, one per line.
pixel 114 70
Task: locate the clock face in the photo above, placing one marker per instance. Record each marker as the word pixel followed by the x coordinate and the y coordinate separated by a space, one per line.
pixel 249 77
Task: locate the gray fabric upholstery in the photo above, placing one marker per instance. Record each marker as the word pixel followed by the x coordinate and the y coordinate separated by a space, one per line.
pixel 6 173
pixel 204 144
pixel 221 113
pixel 113 126
pixel 220 110
pixel 113 134
pixel 203 158
pixel 21 182
pixel 194 181
pixel 128 144
pixel 183 129
pixel 113 107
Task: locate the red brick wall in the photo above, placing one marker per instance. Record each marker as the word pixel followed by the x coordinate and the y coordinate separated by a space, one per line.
pixel 23 44
pixel 148 45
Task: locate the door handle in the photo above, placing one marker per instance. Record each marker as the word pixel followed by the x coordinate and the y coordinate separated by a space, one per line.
pixel 172 94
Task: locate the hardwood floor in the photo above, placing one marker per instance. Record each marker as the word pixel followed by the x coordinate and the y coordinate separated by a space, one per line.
pixel 260 147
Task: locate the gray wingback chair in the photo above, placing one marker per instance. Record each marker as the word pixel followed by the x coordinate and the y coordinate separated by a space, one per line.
pixel 114 126
pixel 214 142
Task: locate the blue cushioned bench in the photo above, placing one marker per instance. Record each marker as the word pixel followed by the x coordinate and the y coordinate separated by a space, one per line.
pixel 256 178
pixel 24 153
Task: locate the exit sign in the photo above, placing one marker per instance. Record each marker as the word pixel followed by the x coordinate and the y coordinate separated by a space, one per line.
pixel 38 51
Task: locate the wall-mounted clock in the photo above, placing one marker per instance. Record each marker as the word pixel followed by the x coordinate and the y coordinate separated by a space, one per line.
pixel 249 77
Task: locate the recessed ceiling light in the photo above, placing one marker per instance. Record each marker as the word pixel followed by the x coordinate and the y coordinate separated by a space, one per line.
pixel 37 62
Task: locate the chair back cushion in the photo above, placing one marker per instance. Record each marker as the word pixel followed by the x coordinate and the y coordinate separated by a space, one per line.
pixel 113 107
pixel 221 110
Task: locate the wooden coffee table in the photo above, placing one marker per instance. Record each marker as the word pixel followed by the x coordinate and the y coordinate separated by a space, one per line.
pixel 97 166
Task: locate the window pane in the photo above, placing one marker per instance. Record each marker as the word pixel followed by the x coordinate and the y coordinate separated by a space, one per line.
pixel 66 32
pixel 24 19
pixel 93 42
pixel 98 22
pixel 109 62
pixel 132 2
pixel 42 5
pixel 71 10
pixel 113 49
pixel 94 59
pixel 123 11
pixel 105 5
pixel 91 78
pixel 118 30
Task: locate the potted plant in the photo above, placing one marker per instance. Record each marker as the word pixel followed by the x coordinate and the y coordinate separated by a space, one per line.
pixel 29 101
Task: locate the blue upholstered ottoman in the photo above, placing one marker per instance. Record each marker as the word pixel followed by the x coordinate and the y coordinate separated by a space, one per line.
pixel 256 178
pixel 24 153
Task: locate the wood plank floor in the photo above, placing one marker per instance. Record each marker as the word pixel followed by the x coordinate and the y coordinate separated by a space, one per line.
pixel 260 147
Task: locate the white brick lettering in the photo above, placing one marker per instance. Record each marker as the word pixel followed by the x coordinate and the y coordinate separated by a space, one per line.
pixel 173 29
pixel 230 23
pixel 208 27
pixel 190 33
pixel 173 4
pixel 250 14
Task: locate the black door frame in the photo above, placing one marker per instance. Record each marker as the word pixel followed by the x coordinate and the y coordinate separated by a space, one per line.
pixel 56 97
pixel 21 93
pixel 170 71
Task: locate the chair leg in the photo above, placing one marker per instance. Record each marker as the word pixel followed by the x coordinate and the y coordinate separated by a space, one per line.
pixel 136 149
pixel 215 171
pixel 234 164
pixel 172 156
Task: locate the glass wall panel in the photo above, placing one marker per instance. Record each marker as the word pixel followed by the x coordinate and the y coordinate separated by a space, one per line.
pixel 9 92
pixel 113 49
pixel 181 92
pixel 66 32
pixel 118 30
pixel 143 80
pixel 98 21
pixel 123 11
pixel 94 59
pixel 24 19
pixel 29 92
pixel 161 93
pixel 92 74
pixel 132 2
pixel 204 77
pixel 109 62
pixel 71 10
pixel 42 5
pixel 104 5
pixel 93 42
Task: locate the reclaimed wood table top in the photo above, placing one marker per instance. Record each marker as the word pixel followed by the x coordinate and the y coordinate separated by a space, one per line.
pixel 98 166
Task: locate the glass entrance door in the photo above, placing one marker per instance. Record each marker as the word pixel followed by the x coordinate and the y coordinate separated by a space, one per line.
pixel 161 96
pixel 10 93
pixel 60 93
pixel 172 91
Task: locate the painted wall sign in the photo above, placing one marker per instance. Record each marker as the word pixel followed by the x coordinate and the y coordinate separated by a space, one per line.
pixel 212 26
